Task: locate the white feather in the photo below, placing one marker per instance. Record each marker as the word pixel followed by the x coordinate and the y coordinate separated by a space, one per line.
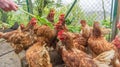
pixel 104 59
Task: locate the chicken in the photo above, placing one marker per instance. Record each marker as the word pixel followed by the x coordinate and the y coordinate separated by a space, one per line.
pixel 116 40
pixel 98 44
pixel 86 30
pixel 48 36
pixel 30 26
pixel 79 41
pixel 103 59
pixel 37 55
pixel 50 16
pixel 60 25
pixel 72 56
pixel 47 32
pixel 20 38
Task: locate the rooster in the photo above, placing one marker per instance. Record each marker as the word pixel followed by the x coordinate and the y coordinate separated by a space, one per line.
pixel 72 56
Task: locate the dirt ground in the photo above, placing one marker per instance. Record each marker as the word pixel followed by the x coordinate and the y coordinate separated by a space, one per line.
pixel 7 57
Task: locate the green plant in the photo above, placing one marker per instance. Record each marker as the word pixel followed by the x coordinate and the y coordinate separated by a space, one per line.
pixel 74 28
pixel 90 19
pixel 106 23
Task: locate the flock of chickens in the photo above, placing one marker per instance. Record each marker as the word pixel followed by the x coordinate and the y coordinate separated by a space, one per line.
pixel 46 47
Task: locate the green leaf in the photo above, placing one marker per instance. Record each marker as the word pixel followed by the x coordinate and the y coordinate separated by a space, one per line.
pixel 44 21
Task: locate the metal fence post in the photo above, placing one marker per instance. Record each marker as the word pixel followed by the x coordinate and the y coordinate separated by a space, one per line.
pixel 29 6
pixel 70 8
pixel 115 19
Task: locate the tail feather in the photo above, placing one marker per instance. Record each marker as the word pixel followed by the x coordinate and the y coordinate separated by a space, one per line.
pixel 7 34
pixel 104 59
pixel 105 31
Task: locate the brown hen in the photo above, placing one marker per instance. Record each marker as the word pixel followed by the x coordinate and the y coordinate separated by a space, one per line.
pixel 86 30
pixel 47 32
pixel 22 38
pixel 79 40
pixel 98 44
pixel 72 56
pixel 37 55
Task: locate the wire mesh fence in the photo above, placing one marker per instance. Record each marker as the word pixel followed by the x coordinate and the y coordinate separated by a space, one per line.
pixel 94 10
pixel 97 10
pixel 101 8
pixel 89 10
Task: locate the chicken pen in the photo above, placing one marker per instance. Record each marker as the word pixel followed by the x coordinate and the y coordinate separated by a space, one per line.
pixel 61 33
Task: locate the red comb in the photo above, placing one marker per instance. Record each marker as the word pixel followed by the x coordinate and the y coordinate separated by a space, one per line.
pixel 60 33
pixel 33 18
pixel 33 21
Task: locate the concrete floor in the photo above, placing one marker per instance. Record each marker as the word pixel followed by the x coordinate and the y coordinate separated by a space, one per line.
pixel 10 59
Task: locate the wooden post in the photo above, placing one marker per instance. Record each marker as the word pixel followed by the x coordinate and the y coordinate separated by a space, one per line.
pixel 115 19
